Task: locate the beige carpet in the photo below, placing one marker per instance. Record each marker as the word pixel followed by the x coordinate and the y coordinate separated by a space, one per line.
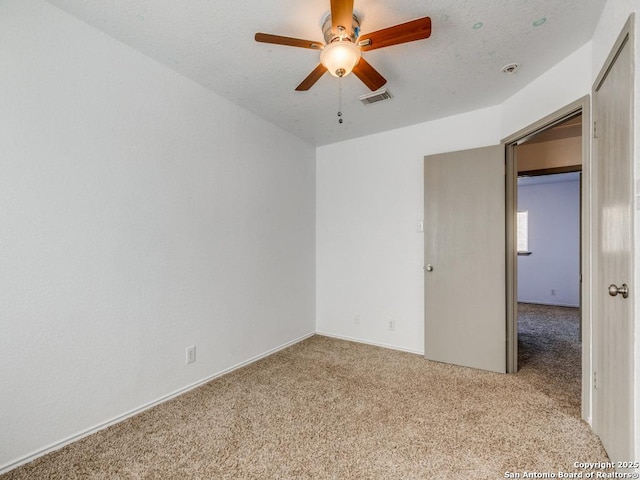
pixel 328 408
pixel 549 353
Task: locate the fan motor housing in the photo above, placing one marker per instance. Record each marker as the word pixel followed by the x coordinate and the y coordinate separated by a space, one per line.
pixel 330 36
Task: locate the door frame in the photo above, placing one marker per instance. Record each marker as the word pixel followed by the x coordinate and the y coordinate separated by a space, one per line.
pixel 582 105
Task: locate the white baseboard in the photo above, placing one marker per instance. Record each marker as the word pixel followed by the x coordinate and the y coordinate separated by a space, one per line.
pixel 551 304
pixel 74 438
pixel 367 342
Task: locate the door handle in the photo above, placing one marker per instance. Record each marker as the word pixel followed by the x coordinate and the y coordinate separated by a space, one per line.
pixel 623 290
pixel 428 268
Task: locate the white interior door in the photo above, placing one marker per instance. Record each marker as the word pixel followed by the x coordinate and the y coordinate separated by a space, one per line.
pixel 465 290
pixel 612 241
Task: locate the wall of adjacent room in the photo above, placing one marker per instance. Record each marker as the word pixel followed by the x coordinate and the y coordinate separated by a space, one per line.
pixel 551 274
pixel 139 214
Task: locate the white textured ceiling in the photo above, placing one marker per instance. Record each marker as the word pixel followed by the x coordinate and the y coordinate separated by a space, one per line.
pixel 457 69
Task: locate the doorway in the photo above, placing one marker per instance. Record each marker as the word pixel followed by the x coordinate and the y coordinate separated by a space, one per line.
pixel 548 264
pixel 566 126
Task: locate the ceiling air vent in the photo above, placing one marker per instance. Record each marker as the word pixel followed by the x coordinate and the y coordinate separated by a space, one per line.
pixel 376 97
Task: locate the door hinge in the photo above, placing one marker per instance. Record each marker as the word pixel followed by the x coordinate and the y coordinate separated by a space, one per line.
pixel 595 130
pixel 595 380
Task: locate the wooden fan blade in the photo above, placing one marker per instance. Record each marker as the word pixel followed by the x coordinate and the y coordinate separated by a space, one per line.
pixel 369 75
pixel 341 15
pixel 292 42
pixel 312 78
pixel 403 33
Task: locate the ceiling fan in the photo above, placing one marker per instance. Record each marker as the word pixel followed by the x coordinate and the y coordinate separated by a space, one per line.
pixel 341 53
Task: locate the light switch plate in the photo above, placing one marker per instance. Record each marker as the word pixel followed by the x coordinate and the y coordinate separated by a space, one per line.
pixel 191 354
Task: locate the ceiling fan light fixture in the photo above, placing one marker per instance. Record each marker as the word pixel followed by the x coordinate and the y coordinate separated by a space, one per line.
pixel 340 57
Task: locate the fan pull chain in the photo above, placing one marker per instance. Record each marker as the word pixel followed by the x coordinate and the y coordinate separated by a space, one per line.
pixel 339 99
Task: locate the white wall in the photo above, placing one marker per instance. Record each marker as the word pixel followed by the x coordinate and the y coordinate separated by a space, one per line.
pixel 613 18
pixel 369 252
pixel 551 274
pixel 139 214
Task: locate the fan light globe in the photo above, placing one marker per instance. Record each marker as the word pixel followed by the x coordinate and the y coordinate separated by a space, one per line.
pixel 340 57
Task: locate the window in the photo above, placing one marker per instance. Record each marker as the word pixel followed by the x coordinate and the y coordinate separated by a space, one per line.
pixel 523 233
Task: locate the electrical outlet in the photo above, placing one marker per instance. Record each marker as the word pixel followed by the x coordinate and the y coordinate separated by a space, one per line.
pixel 356 319
pixel 391 325
pixel 191 354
